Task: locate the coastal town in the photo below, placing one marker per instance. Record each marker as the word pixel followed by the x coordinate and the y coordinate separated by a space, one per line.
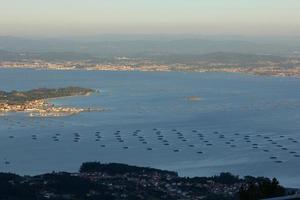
pixel 267 69
pixel 40 108
pixel 117 181
pixel 35 102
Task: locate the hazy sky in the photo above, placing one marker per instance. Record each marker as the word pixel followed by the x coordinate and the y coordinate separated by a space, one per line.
pixel 89 17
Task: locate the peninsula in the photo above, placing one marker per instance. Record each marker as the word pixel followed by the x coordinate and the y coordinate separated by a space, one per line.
pixel 36 103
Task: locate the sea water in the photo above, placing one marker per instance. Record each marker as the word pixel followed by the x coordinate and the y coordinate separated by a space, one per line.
pixel 243 124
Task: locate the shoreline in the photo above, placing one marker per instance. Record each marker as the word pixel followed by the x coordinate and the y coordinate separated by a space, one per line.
pixel 44 108
pixel 258 71
pixel 52 111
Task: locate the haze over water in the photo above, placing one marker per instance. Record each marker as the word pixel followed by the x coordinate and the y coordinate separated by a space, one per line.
pixel 244 124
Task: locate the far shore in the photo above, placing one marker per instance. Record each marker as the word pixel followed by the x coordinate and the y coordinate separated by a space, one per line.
pixel 260 71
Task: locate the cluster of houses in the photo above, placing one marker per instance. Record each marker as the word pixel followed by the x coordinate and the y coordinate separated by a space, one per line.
pixel 39 107
pixel 169 184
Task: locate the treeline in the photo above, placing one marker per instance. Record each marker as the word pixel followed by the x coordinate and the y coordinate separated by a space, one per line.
pixel 120 169
pixel 18 97
pixel 260 188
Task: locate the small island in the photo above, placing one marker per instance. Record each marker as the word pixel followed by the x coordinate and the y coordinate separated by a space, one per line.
pixel 36 103
pixel 193 98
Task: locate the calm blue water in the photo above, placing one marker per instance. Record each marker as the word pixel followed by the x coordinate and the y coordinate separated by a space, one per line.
pixel 240 123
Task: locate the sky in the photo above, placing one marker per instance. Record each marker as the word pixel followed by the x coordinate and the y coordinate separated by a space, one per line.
pixel 91 17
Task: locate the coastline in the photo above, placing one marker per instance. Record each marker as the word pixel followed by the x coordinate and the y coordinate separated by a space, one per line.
pixel 43 108
pixel 259 71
